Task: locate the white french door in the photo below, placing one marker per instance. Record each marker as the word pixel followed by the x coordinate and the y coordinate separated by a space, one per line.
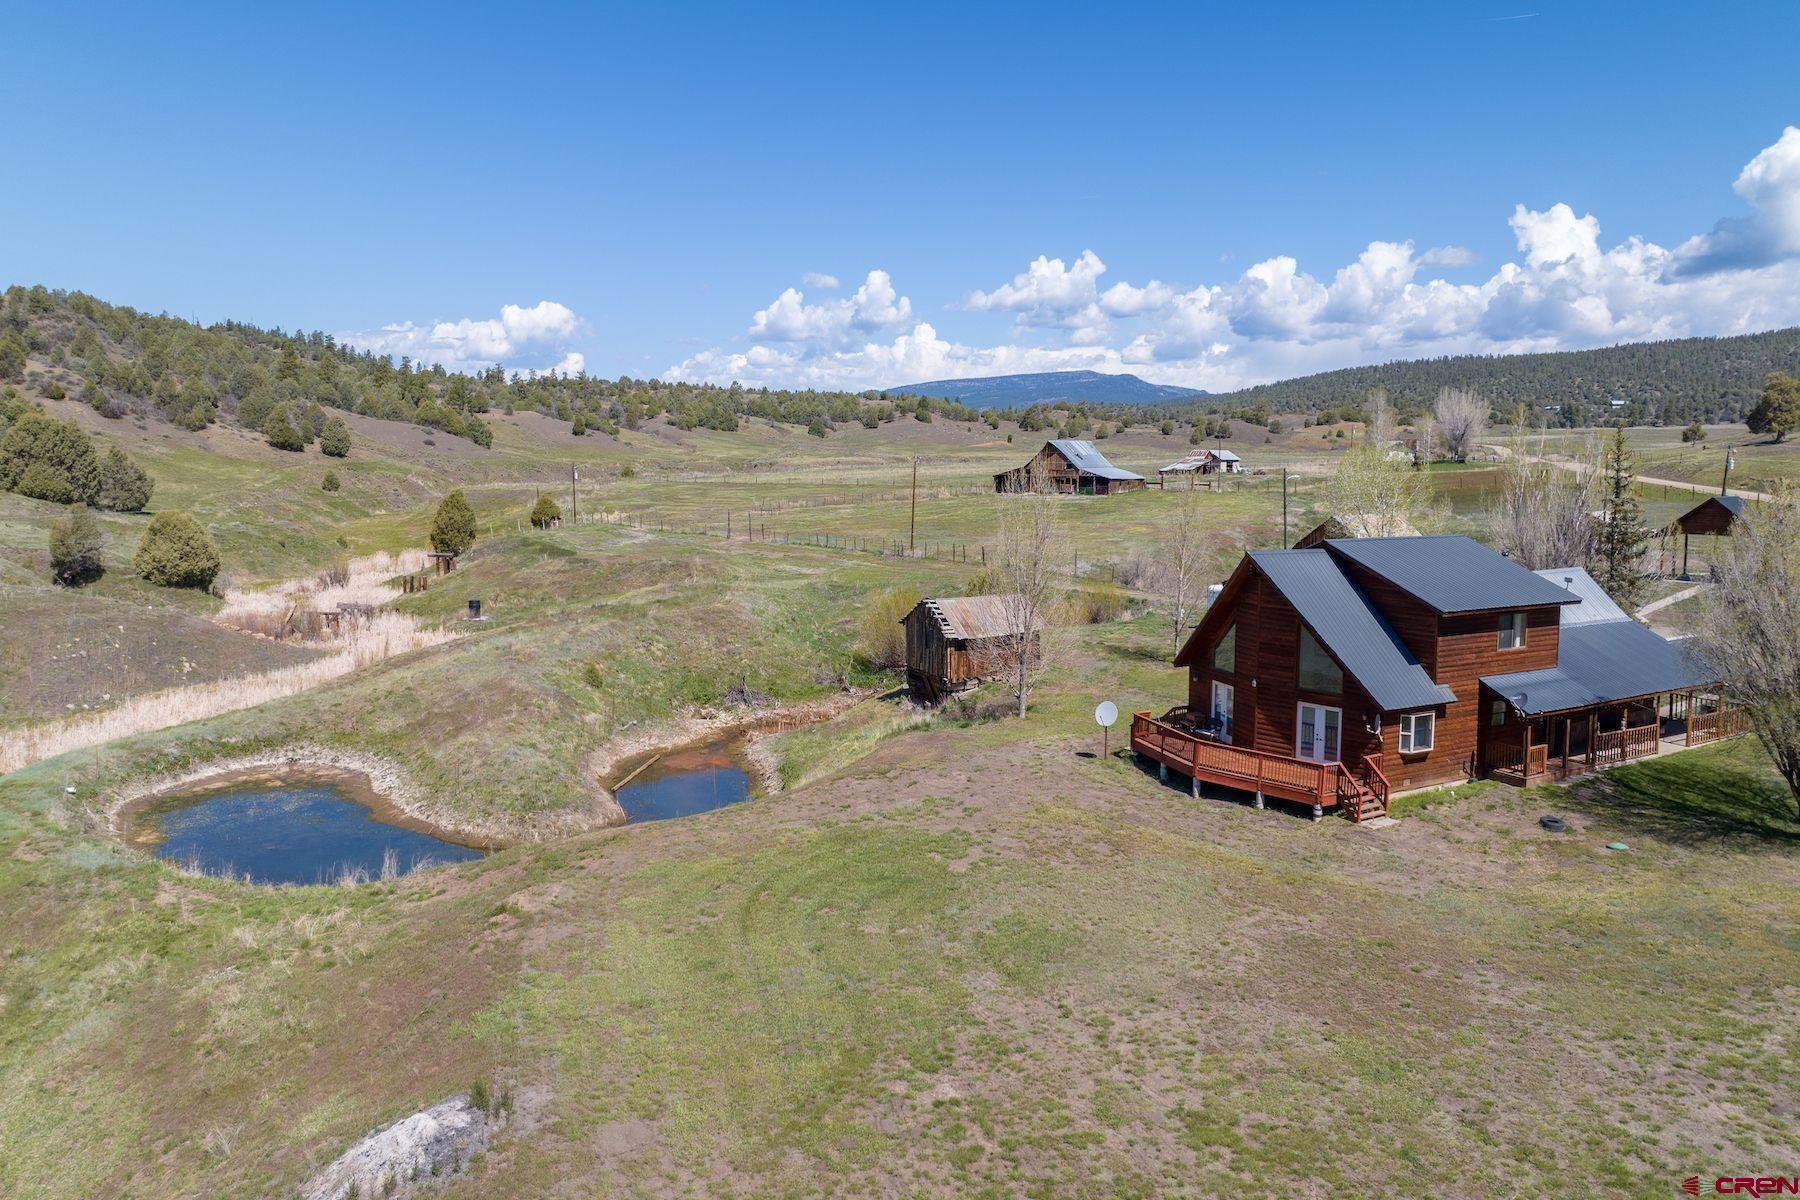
pixel 1317 736
pixel 1223 696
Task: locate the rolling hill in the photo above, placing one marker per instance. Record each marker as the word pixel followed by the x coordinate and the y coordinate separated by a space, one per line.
pixel 1047 387
pixel 1678 381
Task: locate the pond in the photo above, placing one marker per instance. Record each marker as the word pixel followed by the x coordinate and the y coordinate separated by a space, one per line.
pixel 681 783
pixel 290 829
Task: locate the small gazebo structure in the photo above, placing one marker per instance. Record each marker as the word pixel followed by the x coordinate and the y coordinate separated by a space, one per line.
pixel 1713 516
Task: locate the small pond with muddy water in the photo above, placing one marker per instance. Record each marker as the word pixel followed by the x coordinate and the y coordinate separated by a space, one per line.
pixel 686 781
pixel 288 826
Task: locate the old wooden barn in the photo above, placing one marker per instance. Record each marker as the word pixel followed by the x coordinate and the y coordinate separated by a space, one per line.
pixel 954 642
pixel 1072 467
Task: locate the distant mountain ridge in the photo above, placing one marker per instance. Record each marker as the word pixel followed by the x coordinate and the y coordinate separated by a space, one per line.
pixel 1048 387
pixel 1673 382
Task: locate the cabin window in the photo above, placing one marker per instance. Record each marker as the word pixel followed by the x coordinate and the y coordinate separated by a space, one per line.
pixel 1499 717
pixel 1317 672
pixel 1223 701
pixel 1225 653
pixel 1512 630
pixel 1417 732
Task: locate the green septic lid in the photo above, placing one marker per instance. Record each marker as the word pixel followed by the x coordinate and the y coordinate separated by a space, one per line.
pixel 1617 846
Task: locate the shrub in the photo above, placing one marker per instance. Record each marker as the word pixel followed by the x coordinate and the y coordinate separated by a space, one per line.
pixel 124 486
pixel 41 482
pixel 55 391
pixel 281 431
pixel 75 548
pixel 330 482
pixel 175 552
pixel 1694 433
pixel 453 528
pixel 544 512
pixel 1094 602
pixel 334 439
pixel 883 640
pixel 579 428
pixel 61 448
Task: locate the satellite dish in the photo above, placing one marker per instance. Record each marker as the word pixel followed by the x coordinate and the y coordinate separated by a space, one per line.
pixel 1106 713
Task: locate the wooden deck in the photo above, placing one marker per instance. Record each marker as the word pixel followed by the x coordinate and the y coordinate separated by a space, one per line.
pixel 1502 760
pixel 1359 794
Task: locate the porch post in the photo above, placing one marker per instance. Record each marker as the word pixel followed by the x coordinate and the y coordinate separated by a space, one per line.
pixel 1565 756
pixel 1525 754
pixel 1593 732
pixel 1162 773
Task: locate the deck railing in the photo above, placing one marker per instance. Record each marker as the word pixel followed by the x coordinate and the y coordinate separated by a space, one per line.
pixel 1623 745
pixel 1722 723
pixel 1236 766
pixel 1508 755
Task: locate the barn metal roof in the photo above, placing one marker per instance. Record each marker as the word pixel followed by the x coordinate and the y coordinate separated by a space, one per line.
pixel 1226 456
pixel 1349 626
pixel 1595 604
pixel 971 617
pixel 1085 458
pixel 1599 662
pixel 1188 462
pixel 1450 573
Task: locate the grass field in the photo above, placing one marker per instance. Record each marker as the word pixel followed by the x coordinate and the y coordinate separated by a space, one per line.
pixel 950 957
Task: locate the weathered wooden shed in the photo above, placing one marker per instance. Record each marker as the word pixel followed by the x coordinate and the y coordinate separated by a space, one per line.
pixel 954 642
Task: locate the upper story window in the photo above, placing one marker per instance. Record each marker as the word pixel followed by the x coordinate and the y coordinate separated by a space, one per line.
pixel 1225 653
pixel 1317 672
pixel 1512 630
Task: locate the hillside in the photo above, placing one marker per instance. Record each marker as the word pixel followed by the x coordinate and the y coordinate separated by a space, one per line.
pixel 1047 387
pixel 1672 382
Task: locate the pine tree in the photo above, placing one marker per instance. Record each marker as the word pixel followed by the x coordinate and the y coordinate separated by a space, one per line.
pixel 545 513
pixel 1623 535
pixel 175 552
pixel 453 528
pixel 334 439
pixel 124 486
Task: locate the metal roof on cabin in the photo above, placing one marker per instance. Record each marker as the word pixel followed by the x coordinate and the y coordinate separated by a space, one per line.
pixel 1599 662
pixel 1595 604
pixel 1348 625
pixel 1085 458
pixel 1450 573
pixel 971 617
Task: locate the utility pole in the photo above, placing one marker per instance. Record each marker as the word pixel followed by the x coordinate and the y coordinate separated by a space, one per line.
pixel 913 529
pixel 1728 465
pixel 1284 515
pixel 574 511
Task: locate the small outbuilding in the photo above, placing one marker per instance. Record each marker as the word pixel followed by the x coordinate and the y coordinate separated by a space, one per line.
pixel 1073 467
pixel 1203 462
pixel 1713 516
pixel 954 642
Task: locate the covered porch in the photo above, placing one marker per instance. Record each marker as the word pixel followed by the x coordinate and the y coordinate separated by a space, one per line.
pixel 1528 748
pixel 1182 741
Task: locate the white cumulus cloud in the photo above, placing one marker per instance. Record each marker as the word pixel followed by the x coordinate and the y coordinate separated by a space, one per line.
pixel 1565 288
pixel 819 279
pixel 529 334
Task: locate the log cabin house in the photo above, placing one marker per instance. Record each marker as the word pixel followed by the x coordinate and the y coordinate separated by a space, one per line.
pixel 1073 468
pixel 1355 525
pixel 954 642
pixel 1339 674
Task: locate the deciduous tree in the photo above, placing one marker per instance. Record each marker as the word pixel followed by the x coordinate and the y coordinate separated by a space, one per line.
pixel 1752 612
pixel 1025 568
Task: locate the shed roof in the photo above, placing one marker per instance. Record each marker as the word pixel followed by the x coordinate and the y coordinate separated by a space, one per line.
pixel 1355 632
pixel 1226 456
pixel 1599 662
pixel 1450 573
pixel 1731 504
pixel 971 617
pixel 1082 455
pixel 1191 461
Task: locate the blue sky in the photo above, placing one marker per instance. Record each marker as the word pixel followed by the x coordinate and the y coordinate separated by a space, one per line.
pixel 1258 191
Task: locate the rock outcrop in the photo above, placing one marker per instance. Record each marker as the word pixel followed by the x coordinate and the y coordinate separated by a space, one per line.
pixel 425 1148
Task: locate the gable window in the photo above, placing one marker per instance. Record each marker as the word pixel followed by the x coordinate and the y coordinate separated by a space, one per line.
pixel 1317 672
pixel 1512 630
pixel 1225 653
pixel 1417 732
